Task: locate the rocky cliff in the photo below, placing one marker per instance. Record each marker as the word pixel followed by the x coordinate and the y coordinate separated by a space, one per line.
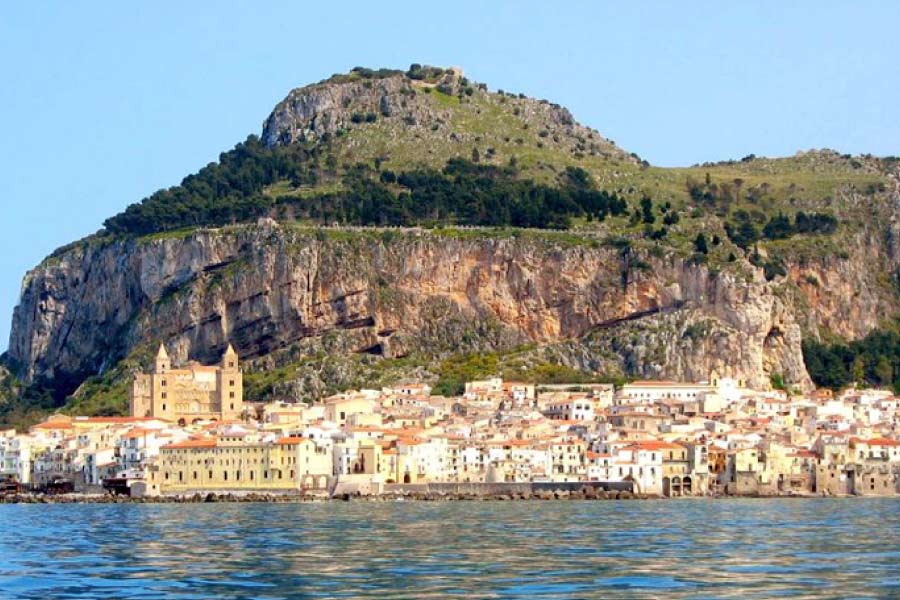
pixel 613 297
pixel 268 287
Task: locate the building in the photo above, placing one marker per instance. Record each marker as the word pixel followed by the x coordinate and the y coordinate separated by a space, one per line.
pixel 190 394
pixel 651 391
pixel 571 408
pixel 239 462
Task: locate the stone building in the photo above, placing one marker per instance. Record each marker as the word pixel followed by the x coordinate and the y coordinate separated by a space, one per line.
pixel 238 462
pixel 193 393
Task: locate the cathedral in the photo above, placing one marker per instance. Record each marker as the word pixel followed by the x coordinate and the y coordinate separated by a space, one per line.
pixel 193 393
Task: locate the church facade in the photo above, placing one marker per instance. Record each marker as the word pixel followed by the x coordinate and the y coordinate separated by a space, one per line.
pixel 192 393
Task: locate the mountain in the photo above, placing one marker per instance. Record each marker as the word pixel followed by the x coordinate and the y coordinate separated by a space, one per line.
pixel 390 224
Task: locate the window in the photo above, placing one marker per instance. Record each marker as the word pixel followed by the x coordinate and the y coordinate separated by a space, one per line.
pixel 231 382
pixel 195 474
pixel 230 364
pixel 164 395
pixel 232 406
pixel 164 407
pixel 163 383
pixel 231 394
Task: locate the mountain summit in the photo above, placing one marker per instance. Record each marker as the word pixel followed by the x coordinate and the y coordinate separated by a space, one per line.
pixel 390 224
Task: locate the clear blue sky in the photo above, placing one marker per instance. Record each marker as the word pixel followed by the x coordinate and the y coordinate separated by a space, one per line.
pixel 103 103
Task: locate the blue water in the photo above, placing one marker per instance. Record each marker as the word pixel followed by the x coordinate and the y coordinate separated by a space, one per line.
pixel 819 548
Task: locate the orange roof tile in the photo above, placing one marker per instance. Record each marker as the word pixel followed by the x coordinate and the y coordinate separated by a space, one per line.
pixel 65 425
pixel 655 445
pixel 293 440
pixel 195 443
pixel 882 442
pixel 114 419
pixel 137 432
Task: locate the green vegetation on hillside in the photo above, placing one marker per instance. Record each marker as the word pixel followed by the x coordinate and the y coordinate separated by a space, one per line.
pixel 873 360
pixel 466 193
pixel 220 193
pixel 21 406
pixel 448 152
pixel 744 231
pixel 514 365
pixel 463 193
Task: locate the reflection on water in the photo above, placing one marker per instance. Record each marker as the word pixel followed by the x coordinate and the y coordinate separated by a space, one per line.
pixel 823 548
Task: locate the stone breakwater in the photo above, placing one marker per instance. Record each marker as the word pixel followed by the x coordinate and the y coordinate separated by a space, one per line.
pixel 584 493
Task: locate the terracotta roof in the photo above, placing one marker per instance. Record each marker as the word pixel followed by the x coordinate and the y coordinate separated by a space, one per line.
pixel 805 453
pixel 516 443
pixel 655 445
pixel 115 420
pixel 196 443
pixel 137 432
pixel 882 442
pixel 593 455
pixel 57 425
pixel 290 440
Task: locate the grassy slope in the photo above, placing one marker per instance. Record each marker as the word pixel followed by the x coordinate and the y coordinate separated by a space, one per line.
pixel 519 128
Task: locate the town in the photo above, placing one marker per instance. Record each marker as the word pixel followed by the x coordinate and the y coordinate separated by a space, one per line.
pixel 191 432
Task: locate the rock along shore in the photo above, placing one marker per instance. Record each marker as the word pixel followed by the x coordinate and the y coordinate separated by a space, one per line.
pixel 586 493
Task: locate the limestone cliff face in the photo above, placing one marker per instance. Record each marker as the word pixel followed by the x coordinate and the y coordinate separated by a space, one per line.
pixel 270 287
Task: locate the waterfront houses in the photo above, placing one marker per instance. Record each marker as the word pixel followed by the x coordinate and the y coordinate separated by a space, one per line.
pixel 656 438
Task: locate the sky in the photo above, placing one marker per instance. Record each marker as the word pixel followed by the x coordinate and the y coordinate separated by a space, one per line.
pixel 101 104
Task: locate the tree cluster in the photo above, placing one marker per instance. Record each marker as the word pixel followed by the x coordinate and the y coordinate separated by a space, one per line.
pixel 424 72
pixel 744 232
pixel 873 360
pixel 220 193
pixel 780 226
pixel 463 193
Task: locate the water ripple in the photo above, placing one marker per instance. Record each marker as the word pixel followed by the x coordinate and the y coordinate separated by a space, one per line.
pixel 821 548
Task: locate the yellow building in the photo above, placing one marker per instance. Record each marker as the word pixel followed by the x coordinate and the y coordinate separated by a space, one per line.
pixel 234 464
pixel 339 409
pixel 190 394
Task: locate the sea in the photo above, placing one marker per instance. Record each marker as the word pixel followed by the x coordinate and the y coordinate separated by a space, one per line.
pixel 683 548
